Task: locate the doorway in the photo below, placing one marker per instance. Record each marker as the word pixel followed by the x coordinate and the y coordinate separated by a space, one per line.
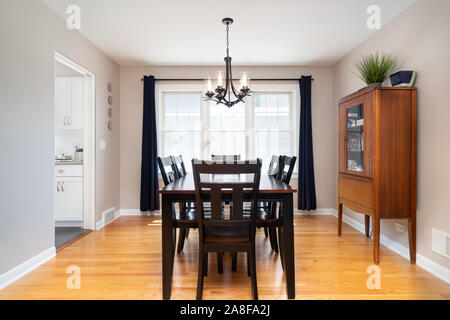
pixel 74 159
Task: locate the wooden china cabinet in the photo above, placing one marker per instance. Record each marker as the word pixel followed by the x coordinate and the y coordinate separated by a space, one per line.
pixel 377 158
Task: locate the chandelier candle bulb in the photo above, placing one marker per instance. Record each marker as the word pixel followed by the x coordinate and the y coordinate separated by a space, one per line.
pixel 219 79
pixel 209 85
pixel 245 81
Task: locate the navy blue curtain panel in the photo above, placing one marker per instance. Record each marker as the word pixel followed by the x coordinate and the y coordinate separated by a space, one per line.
pixel 149 165
pixel 306 184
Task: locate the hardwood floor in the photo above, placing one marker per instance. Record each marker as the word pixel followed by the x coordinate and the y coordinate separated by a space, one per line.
pixel 123 261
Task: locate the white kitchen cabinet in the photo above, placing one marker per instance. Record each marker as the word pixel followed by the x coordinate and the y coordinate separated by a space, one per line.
pixel 69 103
pixel 69 204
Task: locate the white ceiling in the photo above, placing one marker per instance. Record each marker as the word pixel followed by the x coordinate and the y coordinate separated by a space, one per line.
pixel 190 32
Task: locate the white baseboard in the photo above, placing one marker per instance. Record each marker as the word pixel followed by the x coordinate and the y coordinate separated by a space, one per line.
pixel 318 212
pixel 429 265
pixel 65 224
pixel 101 223
pixel 18 272
pixel 137 212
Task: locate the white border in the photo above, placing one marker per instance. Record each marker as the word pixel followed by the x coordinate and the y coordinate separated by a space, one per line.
pixel 89 138
pixel 18 272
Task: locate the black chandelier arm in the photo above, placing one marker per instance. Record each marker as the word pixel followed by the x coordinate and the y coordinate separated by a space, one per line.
pixel 231 79
pixel 225 101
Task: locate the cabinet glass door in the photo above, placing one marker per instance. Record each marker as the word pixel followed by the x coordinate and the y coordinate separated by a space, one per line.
pixel 355 138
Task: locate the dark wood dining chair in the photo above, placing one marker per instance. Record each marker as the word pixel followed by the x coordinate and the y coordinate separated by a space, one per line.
pixel 266 211
pixel 225 157
pixel 167 170
pixel 274 166
pixel 286 169
pixel 287 166
pixel 179 167
pixel 266 215
pixel 170 172
pixel 218 234
pixel 187 209
pixel 281 167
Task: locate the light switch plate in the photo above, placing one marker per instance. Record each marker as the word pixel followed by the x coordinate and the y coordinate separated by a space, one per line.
pixel 102 145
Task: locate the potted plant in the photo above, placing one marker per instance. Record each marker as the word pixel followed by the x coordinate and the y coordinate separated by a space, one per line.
pixel 374 69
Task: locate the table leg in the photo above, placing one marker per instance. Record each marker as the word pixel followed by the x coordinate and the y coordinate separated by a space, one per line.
pixel 288 245
pixel 168 245
pixel 367 225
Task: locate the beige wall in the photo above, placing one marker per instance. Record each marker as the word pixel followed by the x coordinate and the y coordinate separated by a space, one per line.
pixel 419 37
pixel 131 93
pixel 30 33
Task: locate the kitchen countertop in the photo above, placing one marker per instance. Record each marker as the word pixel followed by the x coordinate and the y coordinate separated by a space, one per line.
pixel 69 163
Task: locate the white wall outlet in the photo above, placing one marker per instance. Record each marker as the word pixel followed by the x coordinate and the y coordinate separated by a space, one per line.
pixel 399 227
pixel 102 145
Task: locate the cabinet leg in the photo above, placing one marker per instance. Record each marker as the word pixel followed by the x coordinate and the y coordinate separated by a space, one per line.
pixel 339 219
pixel 412 238
pixel 376 240
pixel 367 225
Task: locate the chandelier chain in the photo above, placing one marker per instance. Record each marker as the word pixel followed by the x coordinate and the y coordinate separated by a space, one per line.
pixel 228 41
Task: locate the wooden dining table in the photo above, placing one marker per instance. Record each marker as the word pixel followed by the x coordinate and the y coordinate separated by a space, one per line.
pixel 270 189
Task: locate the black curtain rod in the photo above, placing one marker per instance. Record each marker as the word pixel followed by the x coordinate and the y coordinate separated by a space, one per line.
pixel 285 79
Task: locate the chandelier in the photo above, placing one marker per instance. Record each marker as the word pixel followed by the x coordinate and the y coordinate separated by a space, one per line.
pixel 225 91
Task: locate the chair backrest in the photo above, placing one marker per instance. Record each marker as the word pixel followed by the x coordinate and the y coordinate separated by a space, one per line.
pixel 227 158
pixel 286 169
pixel 167 168
pixel 210 177
pixel 274 166
pixel 179 167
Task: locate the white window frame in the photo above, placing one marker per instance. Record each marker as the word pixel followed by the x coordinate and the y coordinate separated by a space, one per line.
pixel 257 88
pixel 161 90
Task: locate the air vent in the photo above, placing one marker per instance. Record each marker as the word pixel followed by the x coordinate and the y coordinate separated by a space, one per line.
pixel 448 246
pixel 441 243
pixel 109 215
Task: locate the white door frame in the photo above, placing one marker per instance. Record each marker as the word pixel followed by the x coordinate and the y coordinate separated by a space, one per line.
pixel 89 138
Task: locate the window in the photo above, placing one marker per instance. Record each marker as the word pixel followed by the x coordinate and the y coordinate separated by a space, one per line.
pixel 262 127
pixel 273 125
pixel 181 127
pixel 226 129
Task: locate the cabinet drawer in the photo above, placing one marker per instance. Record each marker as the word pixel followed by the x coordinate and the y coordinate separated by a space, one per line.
pixel 359 191
pixel 69 171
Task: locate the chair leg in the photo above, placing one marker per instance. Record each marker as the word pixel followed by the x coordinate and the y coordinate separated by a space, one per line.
pixel 201 273
pixel 187 232
pixel 248 265
pixel 253 273
pixel 273 238
pixel 181 237
pixel 234 261
pixel 205 264
pixel 220 261
pixel 367 225
pixel 266 232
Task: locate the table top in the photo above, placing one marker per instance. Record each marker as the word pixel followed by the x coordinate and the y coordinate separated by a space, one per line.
pixel 268 184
